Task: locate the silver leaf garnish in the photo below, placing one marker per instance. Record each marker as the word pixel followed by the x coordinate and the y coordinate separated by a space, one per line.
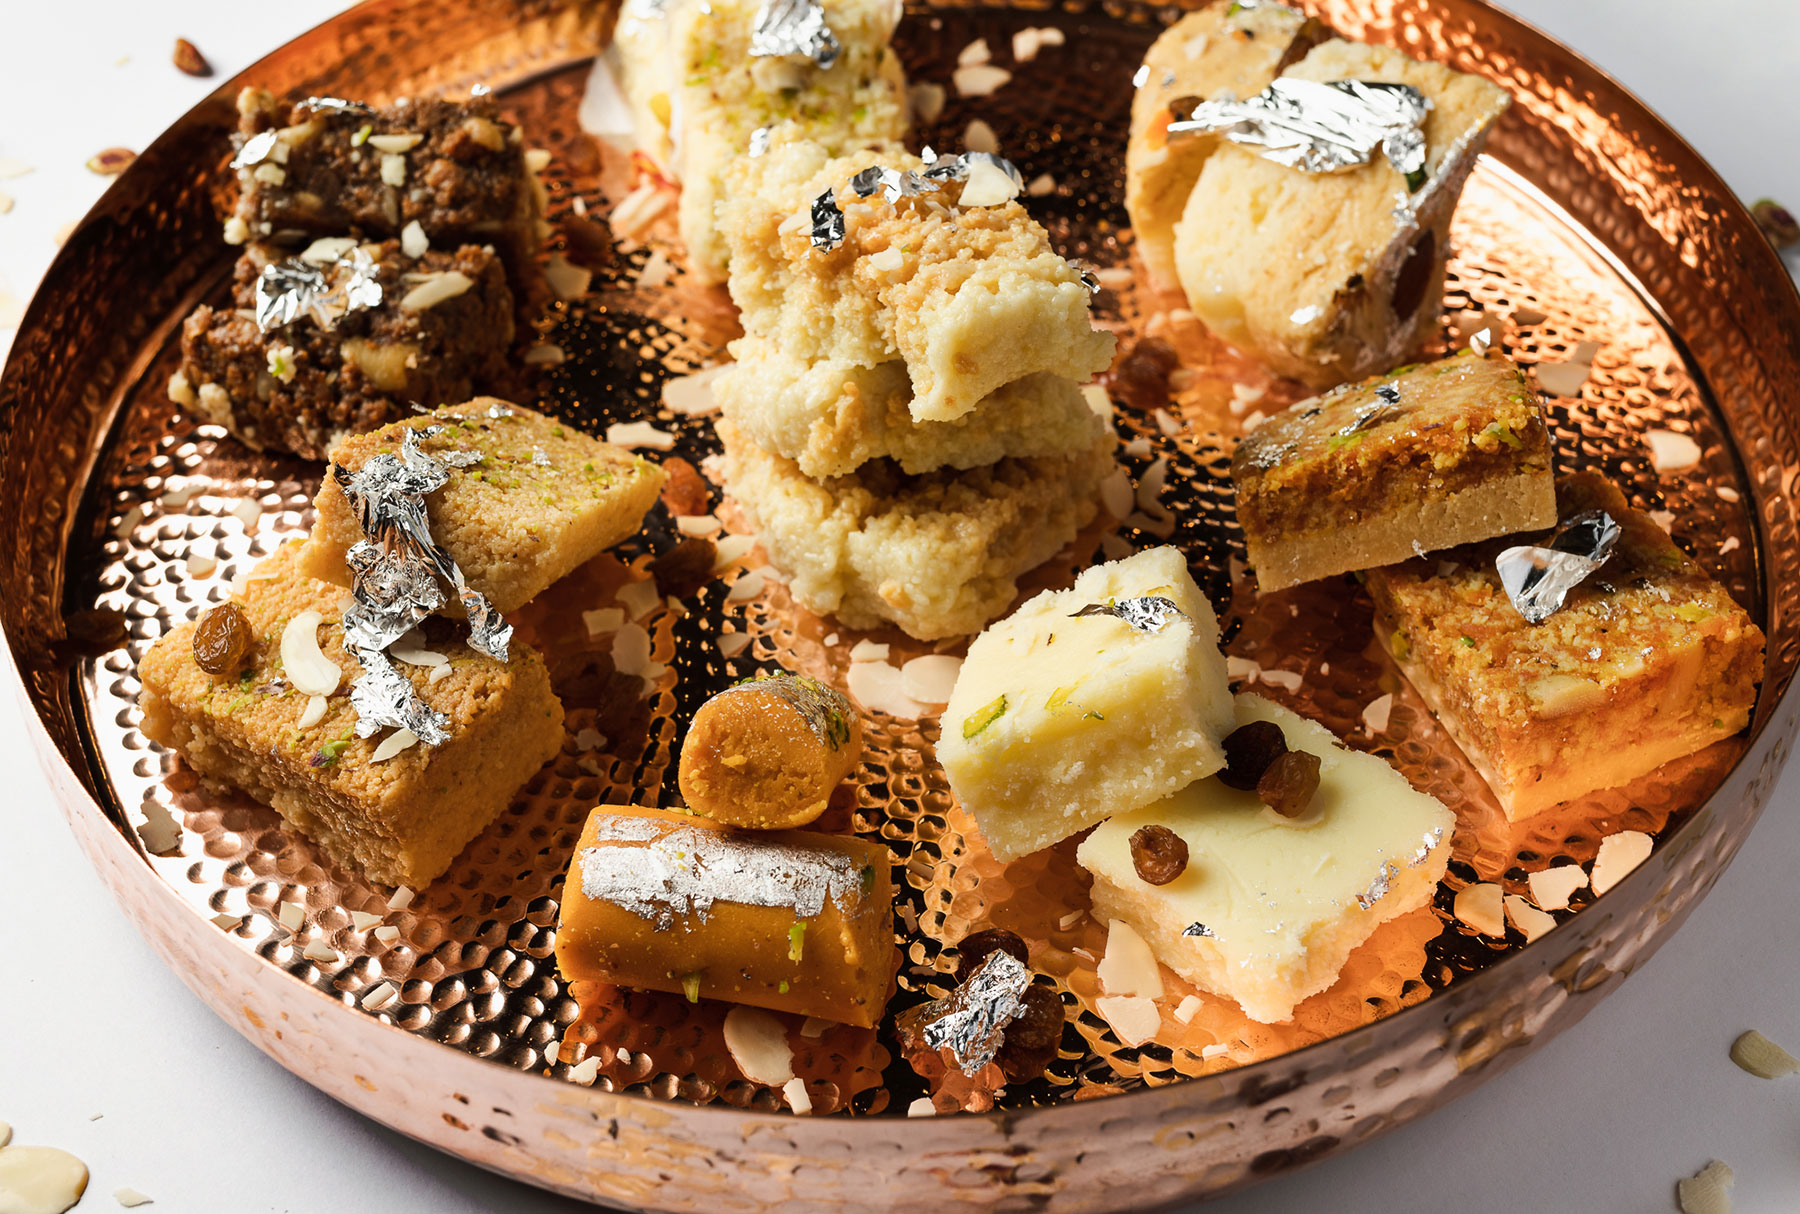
pixel 794 27
pixel 828 228
pixel 256 149
pixel 972 1019
pixel 339 106
pixel 825 710
pixel 1323 128
pixel 759 140
pixel 828 224
pixel 1150 613
pixel 1088 279
pixel 1384 408
pixel 1266 454
pixel 1481 341
pixel 1422 853
pixel 382 696
pixel 288 290
pixel 1378 888
pixel 1538 579
pixel 1199 929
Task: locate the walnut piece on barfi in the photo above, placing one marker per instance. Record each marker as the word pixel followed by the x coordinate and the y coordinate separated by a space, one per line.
pixel 1087 702
pixel 1422 458
pixel 381 331
pixel 1223 48
pixel 831 416
pixel 400 819
pixel 542 499
pixel 1268 908
pixel 1648 660
pixel 969 297
pixel 938 555
pixel 1327 277
pixel 698 93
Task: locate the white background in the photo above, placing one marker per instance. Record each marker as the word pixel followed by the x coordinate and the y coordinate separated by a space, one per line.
pixel 1603 1119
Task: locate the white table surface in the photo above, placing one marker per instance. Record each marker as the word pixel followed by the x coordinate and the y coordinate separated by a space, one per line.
pixel 1603 1119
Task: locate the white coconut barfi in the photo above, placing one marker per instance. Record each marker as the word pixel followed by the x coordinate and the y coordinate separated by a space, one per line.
pixel 1268 908
pixel 1088 702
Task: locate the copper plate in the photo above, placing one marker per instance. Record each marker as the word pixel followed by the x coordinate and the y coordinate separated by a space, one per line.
pixel 1586 221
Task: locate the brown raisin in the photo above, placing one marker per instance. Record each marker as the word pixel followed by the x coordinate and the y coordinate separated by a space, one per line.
pixel 686 567
pixel 189 59
pixel 590 241
pixel 1028 1044
pixel 1287 787
pixel 684 492
pixel 1141 378
pixel 1159 854
pixel 223 639
pixel 976 946
pixel 1249 749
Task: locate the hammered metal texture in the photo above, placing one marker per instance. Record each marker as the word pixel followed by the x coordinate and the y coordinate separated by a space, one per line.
pixel 1587 222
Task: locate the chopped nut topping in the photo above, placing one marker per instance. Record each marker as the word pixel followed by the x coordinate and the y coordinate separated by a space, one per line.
pixel 1761 1057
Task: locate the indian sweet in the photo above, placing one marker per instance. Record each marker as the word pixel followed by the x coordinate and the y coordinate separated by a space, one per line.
pixel 768 752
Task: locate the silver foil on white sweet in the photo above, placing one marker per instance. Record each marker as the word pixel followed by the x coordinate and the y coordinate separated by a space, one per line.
pixel 828 228
pixel 1384 408
pixel 1538 578
pixel 794 27
pixel 1378 888
pixel 382 696
pixel 288 290
pixel 1322 127
pixel 683 872
pixel 971 1020
pixel 828 224
pixel 1423 852
pixel 256 149
pixel 1266 453
pixel 825 710
pixel 1150 613
pixel 1199 929
pixel 759 140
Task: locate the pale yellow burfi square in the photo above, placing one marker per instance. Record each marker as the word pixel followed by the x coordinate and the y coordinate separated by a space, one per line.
pixel 1269 908
pixel 1059 719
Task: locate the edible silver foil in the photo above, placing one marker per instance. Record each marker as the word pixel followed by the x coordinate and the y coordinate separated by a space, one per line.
pixel 794 27
pixel 288 290
pixel 687 869
pixel 1322 128
pixel 825 710
pixel 972 1019
pixel 759 140
pixel 338 105
pixel 1538 579
pixel 1379 887
pixel 1265 454
pixel 828 228
pixel 1384 408
pixel 1423 852
pixel 1150 613
pixel 1199 929
pixel 382 696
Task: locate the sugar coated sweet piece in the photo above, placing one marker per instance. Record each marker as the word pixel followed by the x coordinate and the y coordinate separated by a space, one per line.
pixel 793 921
pixel 1649 659
pixel 832 416
pixel 542 499
pixel 1422 458
pixel 699 93
pixel 939 555
pixel 766 753
pixel 401 819
pixel 969 297
pixel 371 331
pixel 1222 48
pixel 1269 908
pixel 1088 702
pixel 1327 277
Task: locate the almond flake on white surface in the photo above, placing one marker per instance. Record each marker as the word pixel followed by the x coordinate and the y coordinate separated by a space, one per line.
pixel 1129 967
pixel 930 679
pixel 1707 1191
pixel 733 643
pixel 291 915
pixel 758 1044
pixel 202 564
pixel 979 80
pixel 585 1072
pixel 637 598
pixel 748 585
pixel 318 950
pixel 1133 1017
pixel 12 166
pixel 795 1091
pixel 922 1107
pixel 927 101
pixel 1618 855
pixel 869 651
pixel 1671 452
pixel 639 434
pixel 603 620
pixel 1530 921
pixel 313 713
pixel 362 921
pixel 1551 887
pixel 130 1198
pixel 1187 1009
pixel 1378 713
pixel 631 650
pixel 877 686
pixel 388 935
pixel 1761 1057
pixel 730 550
pixel 434 288
pixel 567 280
pixel 1479 906
pixel 400 899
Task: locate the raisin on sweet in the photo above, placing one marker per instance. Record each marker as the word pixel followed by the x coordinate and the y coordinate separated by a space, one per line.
pixel 976 946
pixel 686 567
pixel 1287 787
pixel 1142 377
pixel 222 640
pixel 1249 749
pixel 1028 1044
pixel 1159 854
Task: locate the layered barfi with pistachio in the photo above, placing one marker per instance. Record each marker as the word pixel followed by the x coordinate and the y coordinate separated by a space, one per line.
pixel 343 337
pixel 875 256
pixel 1329 273
pixel 1087 702
pixel 795 921
pixel 938 555
pixel 1422 458
pixel 1224 49
pixel 768 752
pixel 1647 659
pixel 436 172
pixel 833 416
pixel 230 706
pixel 1268 907
pixel 704 76
pixel 540 499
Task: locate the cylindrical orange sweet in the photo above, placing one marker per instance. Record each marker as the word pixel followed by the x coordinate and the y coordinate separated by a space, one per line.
pixel 793 921
pixel 767 753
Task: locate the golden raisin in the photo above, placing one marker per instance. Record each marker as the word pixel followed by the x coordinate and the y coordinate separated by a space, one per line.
pixel 223 639
pixel 1028 1043
pixel 684 492
pixel 1159 854
pixel 1141 378
pixel 1249 749
pixel 976 946
pixel 1287 787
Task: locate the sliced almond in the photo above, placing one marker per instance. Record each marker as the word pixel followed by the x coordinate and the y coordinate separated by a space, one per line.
pixel 1552 887
pixel 327 249
pixel 1755 1053
pixel 638 598
pixel 313 713
pixel 797 1097
pixel 979 79
pixel 1671 452
pixel 434 289
pixel 930 679
pixel 1188 1008
pixel 692 395
pixel 393 169
pixel 1129 967
pixel 603 620
pixel 393 744
pixel 1133 1017
pixel 566 279
pixel 1530 921
pixel 1480 907
pixel 639 434
pixel 869 651
pixel 759 1045
pixel 1378 713
pixel 404 141
pixel 308 669
pixel 1618 855
pixel 413 240
pixel 877 686
pixel 927 101
pixel 978 136
pixel 1707 1191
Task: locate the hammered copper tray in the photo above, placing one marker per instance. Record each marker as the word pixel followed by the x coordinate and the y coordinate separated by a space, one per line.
pixel 1586 221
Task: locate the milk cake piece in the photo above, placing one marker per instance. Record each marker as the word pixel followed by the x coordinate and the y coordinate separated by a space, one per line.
pixel 400 820
pixel 1224 48
pixel 1087 702
pixel 793 921
pixel 831 417
pixel 370 332
pixel 1328 277
pixel 698 94
pixel 1649 659
pixel 938 555
pixel 542 499
pixel 968 297
pixel 768 752
pixel 1423 458
pixel 1269 908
